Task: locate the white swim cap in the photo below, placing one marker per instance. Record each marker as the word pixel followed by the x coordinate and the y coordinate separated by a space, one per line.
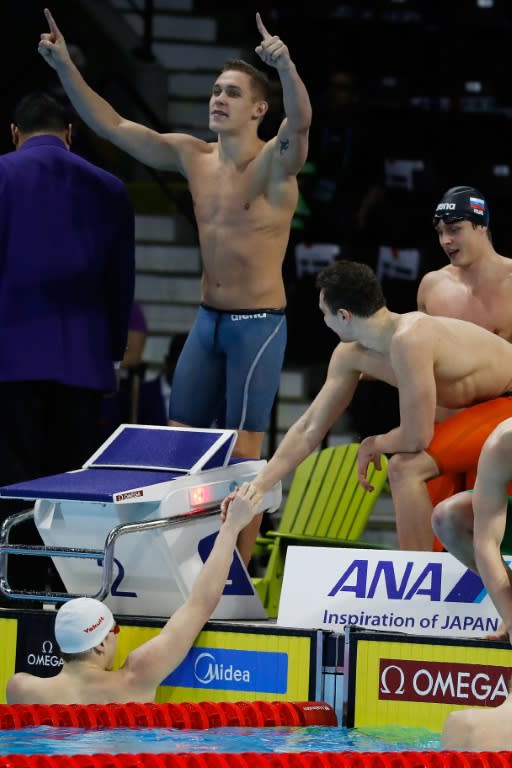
pixel 81 624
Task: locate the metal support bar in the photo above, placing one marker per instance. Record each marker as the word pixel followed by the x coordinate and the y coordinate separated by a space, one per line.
pixel 105 555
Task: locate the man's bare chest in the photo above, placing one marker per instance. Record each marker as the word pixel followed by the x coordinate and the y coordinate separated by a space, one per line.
pixel 484 308
pixel 228 199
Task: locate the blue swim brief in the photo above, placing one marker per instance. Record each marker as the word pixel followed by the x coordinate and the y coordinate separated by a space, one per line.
pixel 229 370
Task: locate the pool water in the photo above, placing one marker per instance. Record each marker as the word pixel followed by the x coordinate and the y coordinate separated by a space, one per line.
pixel 49 740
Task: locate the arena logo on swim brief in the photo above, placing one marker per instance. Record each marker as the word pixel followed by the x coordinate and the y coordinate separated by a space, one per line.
pixel 420 592
pixel 252 316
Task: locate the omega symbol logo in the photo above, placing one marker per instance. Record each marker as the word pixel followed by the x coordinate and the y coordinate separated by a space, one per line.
pixel 400 688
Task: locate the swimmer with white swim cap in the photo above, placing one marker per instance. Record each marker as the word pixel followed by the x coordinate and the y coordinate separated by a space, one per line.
pixel 86 632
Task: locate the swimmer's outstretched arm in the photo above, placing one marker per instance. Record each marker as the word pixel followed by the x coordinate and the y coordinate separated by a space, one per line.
pixel 158 150
pixel 157 658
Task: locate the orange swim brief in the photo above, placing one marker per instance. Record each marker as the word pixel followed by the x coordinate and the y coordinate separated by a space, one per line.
pixel 458 440
pixel 456 447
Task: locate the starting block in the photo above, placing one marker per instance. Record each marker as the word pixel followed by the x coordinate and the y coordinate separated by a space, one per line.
pixel 134 524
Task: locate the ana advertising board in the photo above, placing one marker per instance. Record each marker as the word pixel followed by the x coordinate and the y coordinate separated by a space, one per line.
pixel 426 593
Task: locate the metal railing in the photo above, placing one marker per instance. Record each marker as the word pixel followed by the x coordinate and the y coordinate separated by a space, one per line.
pixel 105 556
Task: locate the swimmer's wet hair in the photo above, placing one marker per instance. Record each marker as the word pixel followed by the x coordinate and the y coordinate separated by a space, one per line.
pixel 259 81
pixel 351 285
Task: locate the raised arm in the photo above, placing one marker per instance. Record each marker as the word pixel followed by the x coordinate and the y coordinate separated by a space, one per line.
pixel 292 138
pixel 154 660
pixel 162 151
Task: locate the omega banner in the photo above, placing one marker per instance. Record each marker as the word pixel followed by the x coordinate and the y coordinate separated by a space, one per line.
pixel 416 681
pixel 425 593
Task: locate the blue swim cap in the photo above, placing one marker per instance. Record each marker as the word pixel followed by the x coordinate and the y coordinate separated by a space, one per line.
pixel 460 203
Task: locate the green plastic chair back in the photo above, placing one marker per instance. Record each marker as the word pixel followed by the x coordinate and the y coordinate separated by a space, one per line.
pixel 325 506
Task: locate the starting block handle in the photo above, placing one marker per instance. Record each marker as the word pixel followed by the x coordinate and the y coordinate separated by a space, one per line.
pixel 105 555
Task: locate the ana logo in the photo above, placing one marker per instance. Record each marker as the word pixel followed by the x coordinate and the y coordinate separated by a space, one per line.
pixel 405 583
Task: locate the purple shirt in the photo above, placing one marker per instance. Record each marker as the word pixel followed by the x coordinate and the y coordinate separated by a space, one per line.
pixel 67 267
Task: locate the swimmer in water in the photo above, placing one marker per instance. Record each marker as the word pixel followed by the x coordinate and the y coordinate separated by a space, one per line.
pixel 86 633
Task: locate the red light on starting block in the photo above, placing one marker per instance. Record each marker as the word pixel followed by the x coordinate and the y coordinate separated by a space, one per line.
pixel 202 494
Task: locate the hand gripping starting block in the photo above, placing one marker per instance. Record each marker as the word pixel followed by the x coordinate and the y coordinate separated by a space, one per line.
pixel 134 524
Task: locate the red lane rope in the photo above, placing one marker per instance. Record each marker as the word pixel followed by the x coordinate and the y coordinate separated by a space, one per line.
pixel 205 714
pixel 266 760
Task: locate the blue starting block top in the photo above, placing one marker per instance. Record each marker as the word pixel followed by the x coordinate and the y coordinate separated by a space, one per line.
pixel 166 448
pixel 86 484
pixel 133 457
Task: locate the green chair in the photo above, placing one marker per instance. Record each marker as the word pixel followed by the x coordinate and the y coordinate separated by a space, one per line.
pixel 326 506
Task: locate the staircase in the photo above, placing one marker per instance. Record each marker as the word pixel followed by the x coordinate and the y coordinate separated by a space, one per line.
pixel 187 45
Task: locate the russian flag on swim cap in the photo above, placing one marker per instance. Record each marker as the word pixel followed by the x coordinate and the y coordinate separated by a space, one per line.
pixel 477 204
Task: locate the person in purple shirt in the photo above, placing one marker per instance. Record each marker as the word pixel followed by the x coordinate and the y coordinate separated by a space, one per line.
pixel 67 271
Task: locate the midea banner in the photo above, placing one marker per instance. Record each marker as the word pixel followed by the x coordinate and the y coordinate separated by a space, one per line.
pixel 427 593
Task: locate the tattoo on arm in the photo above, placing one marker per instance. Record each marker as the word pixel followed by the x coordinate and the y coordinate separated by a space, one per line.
pixel 283 146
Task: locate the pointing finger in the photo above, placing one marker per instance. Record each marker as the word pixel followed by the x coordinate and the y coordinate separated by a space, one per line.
pixel 51 23
pixel 262 28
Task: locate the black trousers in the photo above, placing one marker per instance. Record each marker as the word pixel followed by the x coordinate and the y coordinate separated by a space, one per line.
pixel 45 428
